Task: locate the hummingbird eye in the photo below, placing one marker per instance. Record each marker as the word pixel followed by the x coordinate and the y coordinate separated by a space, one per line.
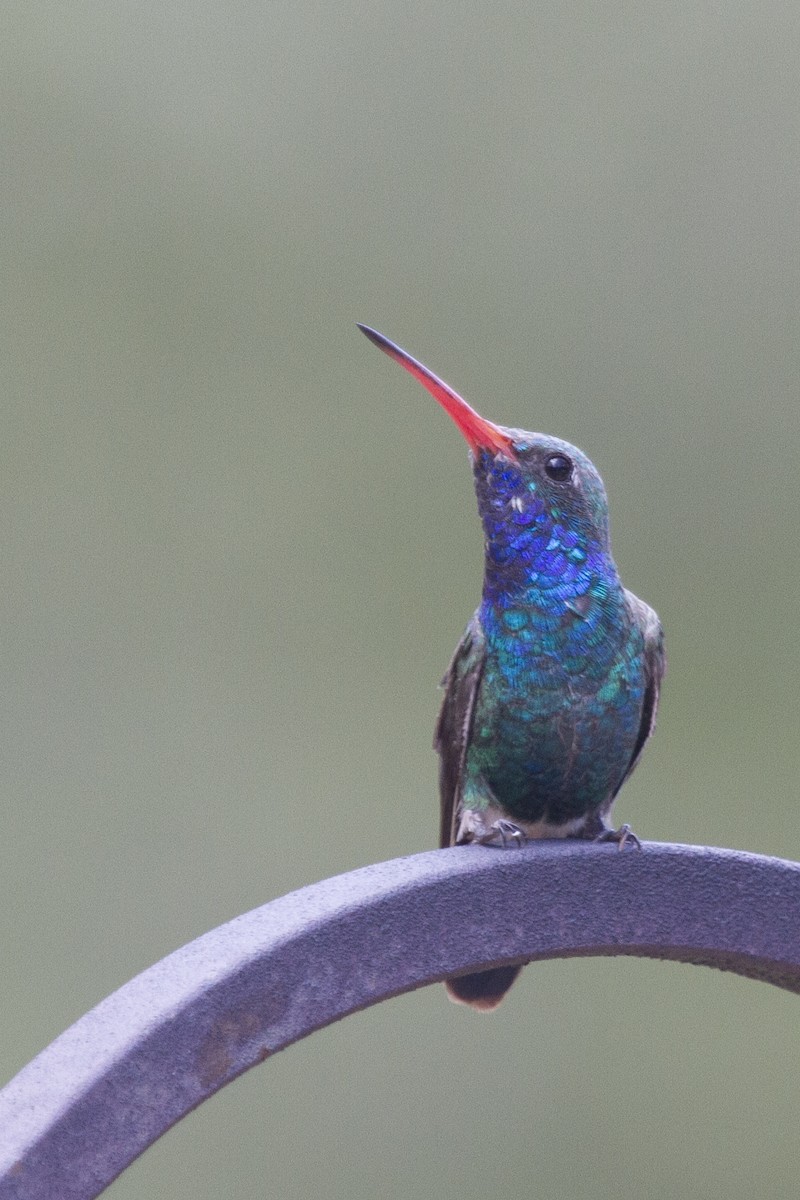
pixel 558 467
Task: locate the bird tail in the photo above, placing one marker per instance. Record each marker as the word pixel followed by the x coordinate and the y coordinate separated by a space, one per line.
pixel 484 990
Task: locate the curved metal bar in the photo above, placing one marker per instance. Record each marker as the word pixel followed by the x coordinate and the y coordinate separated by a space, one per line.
pixel 133 1066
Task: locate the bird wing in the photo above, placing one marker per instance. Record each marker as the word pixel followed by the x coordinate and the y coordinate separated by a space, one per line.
pixel 451 739
pixel 655 666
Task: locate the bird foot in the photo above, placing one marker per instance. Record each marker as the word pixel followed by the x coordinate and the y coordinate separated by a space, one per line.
pixel 621 836
pixel 503 833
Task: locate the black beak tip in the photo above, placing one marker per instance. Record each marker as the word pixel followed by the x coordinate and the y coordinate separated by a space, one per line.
pixel 373 335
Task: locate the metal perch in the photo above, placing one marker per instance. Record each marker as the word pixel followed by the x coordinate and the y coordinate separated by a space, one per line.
pixel 155 1049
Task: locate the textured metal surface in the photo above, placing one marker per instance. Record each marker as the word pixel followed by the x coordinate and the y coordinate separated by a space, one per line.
pixel 134 1065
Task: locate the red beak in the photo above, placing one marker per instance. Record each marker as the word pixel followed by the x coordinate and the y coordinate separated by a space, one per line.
pixel 480 433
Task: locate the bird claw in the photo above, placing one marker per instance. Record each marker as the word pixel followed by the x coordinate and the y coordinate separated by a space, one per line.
pixel 502 833
pixel 477 827
pixel 621 836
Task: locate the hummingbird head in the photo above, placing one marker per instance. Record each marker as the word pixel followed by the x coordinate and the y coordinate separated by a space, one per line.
pixel 542 501
pixel 541 479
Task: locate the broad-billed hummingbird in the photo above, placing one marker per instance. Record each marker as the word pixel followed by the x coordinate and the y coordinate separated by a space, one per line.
pixel 553 689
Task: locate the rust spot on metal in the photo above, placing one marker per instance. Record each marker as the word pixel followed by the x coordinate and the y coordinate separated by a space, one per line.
pixel 218 1053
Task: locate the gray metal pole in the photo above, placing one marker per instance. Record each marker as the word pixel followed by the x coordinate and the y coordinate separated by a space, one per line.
pixel 133 1066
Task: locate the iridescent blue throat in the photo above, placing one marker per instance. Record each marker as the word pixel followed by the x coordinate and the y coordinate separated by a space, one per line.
pixel 552 598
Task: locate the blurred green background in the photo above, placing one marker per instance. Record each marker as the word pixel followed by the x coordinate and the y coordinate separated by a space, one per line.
pixel 239 545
